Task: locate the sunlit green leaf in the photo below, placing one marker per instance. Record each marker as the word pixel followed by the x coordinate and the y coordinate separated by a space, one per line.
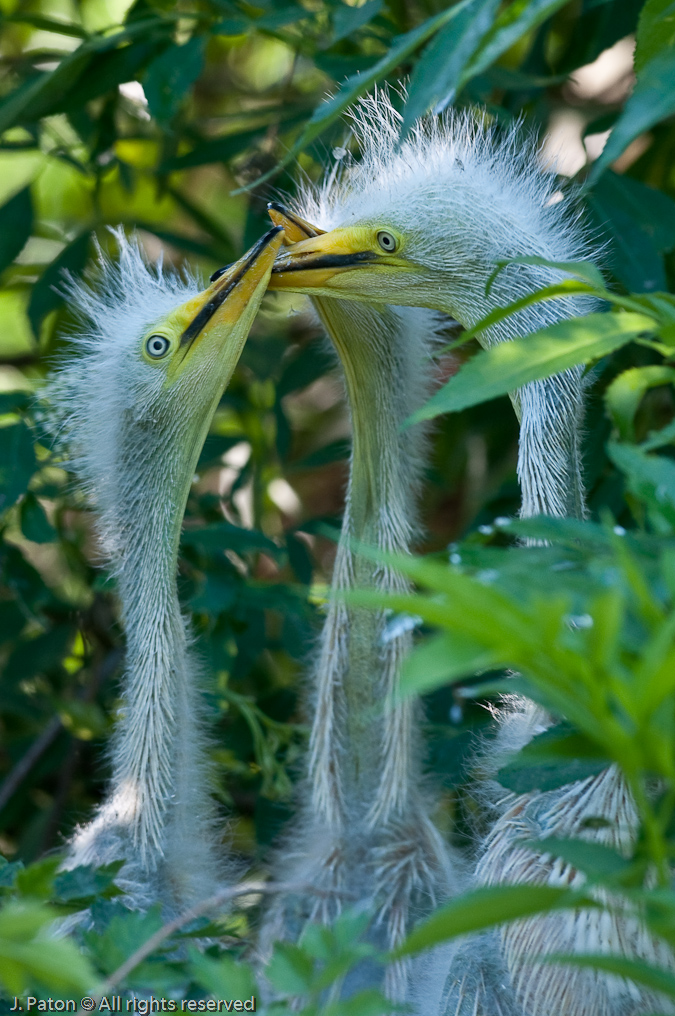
pixel 507 366
pixel 625 393
pixel 656 31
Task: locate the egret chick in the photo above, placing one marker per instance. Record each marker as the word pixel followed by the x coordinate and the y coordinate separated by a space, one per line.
pixel 366 826
pixel 422 222
pixel 131 414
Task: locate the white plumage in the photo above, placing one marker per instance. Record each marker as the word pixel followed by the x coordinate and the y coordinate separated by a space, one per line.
pixel 131 426
pixel 456 197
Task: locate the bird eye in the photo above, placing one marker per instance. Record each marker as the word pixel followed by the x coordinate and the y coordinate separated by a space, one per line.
pixel 157 346
pixel 387 241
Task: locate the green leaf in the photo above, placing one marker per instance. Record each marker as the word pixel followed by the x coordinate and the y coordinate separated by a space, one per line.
pixel 35 525
pixel 221 536
pixel 38 655
pixel 16 224
pixel 40 96
pixel 650 477
pixel 515 21
pixel 653 100
pixel 37 880
pixel 584 270
pixel 656 31
pixel 443 659
pixel 126 933
pixel 485 908
pixel 507 366
pixel 222 978
pixel 595 859
pixel 17 462
pixel 214 150
pixel 552 759
pixel 640 225
pixel 290 970
pixel 625 393
pixel 437 73
pixel 347 20
pixel 171 75
pixel 83 884
pixel 46 293
pixel 635 970
pixel 325 114
pixel 27 958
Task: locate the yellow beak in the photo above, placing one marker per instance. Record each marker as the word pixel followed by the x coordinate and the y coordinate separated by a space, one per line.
pixel 234 292
pixel 316 258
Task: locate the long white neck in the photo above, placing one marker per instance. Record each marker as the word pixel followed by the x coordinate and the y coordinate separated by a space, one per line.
pixel 158 813
pixel 550 411
pixel 363 759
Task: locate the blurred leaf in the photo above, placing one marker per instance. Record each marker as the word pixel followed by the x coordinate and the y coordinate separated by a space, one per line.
pixel 329 111
pixel 37 880
pixel 650 477
pixel 656 31
pixel 222 978
pixel 171 75
pixel 16 225
pixel 17 462
pixel 39 97
pixel 82 884
pixel 653 99
pixel 485 908
pixel 290 970
pixel 126 932
pixel 514 21
pixel 443 659
pixel 221 536
pixel 507 366
pixel 625 393
pixel 347 20
pixel 28 958
pixel 213 150
pixel 437 73
pixel 595 859
pixel 46 293
pixel 35 525
pixel 39 654
pixel 634 970
pixel 336 451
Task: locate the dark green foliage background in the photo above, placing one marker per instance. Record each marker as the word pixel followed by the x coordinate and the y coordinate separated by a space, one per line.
pixel 233 89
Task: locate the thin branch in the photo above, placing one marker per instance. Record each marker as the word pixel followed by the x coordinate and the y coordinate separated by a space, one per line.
pixel 149 946
pixel 39 746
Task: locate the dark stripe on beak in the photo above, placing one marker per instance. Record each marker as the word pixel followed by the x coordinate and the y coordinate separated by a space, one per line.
pixel 276 207
pixel 216 301
pixel 221 271
pixel 326 261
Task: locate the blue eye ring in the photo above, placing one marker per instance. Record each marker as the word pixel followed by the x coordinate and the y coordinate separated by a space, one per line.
pixel 157 346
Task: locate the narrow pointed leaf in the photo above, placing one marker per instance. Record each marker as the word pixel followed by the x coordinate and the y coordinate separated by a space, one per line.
pixel 507 366
pixel 437 74
pixel 635 970
pixel 653 100
pixel 349 92
pixel 485 908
